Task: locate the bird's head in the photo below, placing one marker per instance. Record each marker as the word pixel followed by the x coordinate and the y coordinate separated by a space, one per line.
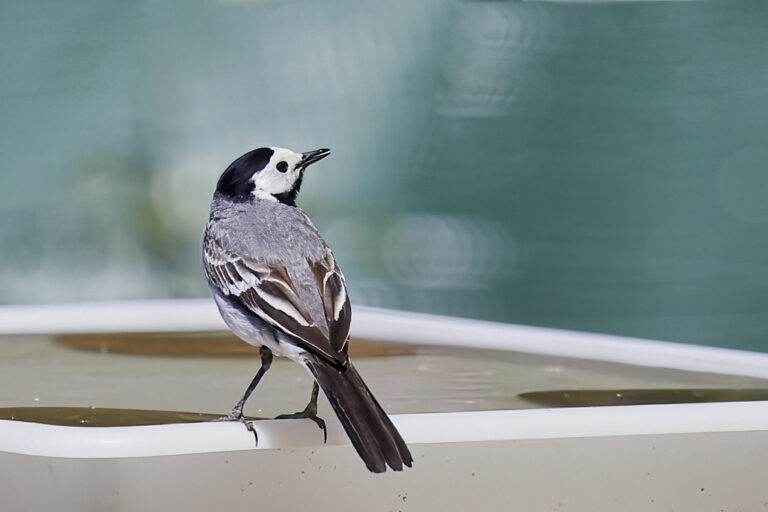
pixel 267 173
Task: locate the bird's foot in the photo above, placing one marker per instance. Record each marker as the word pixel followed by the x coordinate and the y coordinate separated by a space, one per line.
pixel 237 415
pixel 249 426
pixel 310 415
pixel 309 412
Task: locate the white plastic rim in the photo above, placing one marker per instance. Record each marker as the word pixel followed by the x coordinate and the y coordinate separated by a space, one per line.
pixel 201 315
pixel 395 326
pixel 176 439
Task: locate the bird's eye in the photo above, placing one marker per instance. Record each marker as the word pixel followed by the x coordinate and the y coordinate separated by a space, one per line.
pixel 282 166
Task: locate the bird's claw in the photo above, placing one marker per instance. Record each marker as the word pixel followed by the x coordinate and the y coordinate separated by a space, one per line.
pixel 249 426
pixel 236 415
pixel 310 416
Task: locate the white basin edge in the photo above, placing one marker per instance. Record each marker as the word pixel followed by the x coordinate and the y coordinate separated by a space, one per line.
pixel 177 439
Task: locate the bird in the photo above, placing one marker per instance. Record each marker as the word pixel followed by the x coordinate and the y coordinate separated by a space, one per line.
pixel 277 286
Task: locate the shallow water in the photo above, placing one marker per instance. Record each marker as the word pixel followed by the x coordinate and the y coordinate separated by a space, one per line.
pixel 602 397
pixel 100 417
pixel 37 372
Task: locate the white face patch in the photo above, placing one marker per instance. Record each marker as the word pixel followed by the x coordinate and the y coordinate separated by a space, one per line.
pixel 279 175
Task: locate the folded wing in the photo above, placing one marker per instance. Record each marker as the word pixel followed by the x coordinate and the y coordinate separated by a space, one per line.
pixel 267 290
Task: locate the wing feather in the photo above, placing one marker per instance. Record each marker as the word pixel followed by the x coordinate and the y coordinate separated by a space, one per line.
pixel 267 290
pixel 333 293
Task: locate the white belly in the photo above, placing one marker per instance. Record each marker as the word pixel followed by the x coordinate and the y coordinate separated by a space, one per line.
pixel 256 332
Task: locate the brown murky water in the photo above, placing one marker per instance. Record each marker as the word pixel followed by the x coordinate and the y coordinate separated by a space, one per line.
pixel 104 380
pixel 605 397
pixel 110 417
pixel 100 417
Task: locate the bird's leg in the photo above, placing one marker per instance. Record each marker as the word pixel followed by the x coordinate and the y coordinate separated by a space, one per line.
pixel 266 362
pixel 237 411
pixel 309 412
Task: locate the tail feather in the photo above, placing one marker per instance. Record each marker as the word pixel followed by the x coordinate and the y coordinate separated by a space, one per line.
pixel 369 428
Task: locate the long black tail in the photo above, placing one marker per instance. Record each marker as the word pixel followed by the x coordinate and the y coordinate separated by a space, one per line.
pixel 372 433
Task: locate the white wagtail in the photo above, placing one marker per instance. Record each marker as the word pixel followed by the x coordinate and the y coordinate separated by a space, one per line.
pixel 277 286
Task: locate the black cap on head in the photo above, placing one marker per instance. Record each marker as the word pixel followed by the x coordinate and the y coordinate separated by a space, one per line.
pixel 235 181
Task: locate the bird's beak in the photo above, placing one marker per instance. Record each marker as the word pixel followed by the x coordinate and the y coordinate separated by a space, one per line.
pixel 311 157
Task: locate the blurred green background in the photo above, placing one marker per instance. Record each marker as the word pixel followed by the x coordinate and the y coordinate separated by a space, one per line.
pixel 601 167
